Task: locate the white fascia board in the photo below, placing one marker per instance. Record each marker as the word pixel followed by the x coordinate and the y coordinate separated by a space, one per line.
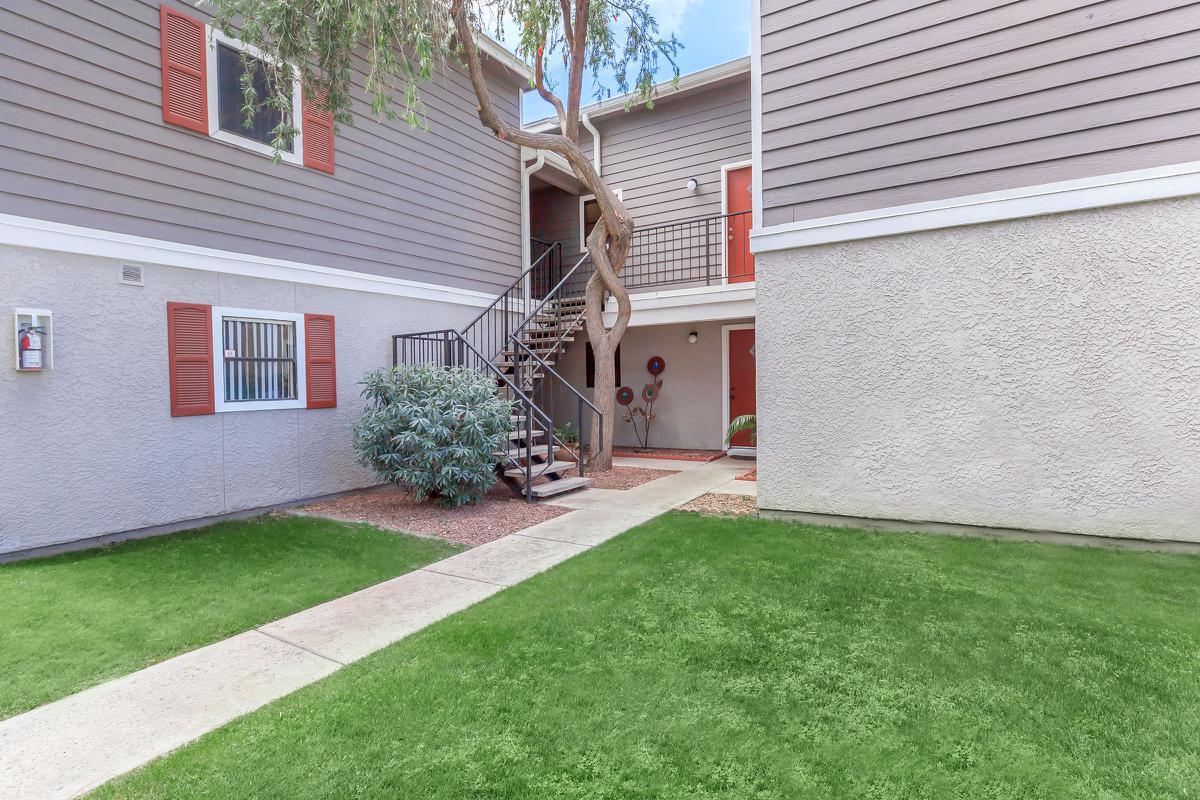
pixel 509 59
pixel 43 235
pixel 697 304
pixel 1136 186
pixel 687 83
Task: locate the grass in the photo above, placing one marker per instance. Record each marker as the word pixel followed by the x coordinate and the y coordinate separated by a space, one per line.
pixel 716 658
pixel 75 620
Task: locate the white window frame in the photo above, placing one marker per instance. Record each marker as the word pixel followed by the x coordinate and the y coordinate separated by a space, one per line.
pixel 218 339
pixel 296 157
pixel 582 202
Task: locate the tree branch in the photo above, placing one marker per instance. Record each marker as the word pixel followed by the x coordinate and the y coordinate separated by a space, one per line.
pixel 545 93
pixel 565 5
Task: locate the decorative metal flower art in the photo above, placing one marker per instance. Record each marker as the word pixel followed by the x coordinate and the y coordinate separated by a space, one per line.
pixel 650 393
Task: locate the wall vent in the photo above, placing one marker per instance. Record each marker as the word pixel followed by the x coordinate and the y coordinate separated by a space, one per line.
pixel 131 275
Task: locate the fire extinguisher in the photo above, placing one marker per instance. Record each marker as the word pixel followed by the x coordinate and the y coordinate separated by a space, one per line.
pixel 31 348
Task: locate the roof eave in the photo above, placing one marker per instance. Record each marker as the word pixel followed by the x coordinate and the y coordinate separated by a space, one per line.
pixel 691 82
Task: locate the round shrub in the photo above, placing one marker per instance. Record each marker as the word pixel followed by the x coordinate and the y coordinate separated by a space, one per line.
pixel 433 430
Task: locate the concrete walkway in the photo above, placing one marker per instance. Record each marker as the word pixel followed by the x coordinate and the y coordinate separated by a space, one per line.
pixel 67 747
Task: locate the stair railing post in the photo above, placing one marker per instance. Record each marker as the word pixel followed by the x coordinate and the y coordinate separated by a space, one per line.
pixel 529 452
pixel 708 252
pixel 582 437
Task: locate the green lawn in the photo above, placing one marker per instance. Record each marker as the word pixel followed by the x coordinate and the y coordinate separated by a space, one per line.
pixel 701 658
pixel 75 620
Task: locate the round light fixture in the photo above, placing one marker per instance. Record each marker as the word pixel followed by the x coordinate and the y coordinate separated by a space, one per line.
pixel 692 184
pixel 693 337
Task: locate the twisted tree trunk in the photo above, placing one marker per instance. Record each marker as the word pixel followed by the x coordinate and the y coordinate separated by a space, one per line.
pixel 609 241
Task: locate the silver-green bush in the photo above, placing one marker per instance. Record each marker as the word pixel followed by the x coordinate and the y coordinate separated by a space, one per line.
pixel 433 431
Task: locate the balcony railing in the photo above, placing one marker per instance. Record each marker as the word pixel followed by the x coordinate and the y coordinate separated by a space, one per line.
pixel 704 251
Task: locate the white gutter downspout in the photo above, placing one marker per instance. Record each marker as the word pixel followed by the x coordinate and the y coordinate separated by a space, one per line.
pixel 587 123
pixel 526 171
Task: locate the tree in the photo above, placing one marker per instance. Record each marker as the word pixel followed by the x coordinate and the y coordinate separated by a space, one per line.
pixel 403 41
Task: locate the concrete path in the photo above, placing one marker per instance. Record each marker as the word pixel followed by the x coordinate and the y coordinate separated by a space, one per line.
pixel 65 748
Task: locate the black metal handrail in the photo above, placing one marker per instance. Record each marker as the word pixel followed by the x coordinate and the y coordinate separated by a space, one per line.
pixel 489 332
pixel 549 400
pixel 449 348
pixel 699 251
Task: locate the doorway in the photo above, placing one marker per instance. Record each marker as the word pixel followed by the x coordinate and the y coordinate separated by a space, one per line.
pixel 738 352
pixel 738 203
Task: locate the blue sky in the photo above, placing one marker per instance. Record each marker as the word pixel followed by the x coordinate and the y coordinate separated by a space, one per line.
pixel 711 31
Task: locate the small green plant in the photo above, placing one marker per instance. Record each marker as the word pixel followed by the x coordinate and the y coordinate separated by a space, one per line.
pixel 747 423
pixel 433 431
pixel 567 433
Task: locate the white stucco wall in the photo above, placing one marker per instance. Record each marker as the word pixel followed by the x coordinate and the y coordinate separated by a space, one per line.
pixel 1041 373
pixel 688 415
pixel 91 448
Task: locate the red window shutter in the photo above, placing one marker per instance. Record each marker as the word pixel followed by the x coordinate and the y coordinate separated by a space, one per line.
pixel 189 348
pixel 320 361
pixel 317 133
pixel 184 86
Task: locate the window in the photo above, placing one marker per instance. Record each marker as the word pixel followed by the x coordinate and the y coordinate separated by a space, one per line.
pixel 589 215
pixel 259 361
pixel 590 367
pixel 228 61
pixel 232 66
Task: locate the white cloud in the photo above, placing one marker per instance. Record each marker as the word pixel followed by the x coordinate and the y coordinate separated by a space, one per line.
pixel 670 13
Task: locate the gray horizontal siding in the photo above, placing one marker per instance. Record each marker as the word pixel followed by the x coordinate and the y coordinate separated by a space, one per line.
pixel 885 102
pixel 650 155
pixel 82 142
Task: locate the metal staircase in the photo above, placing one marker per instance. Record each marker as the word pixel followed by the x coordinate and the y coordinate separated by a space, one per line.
pixel 517 340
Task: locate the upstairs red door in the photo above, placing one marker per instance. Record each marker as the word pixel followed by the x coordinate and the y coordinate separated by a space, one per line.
pixel 741 380
pixel 739 264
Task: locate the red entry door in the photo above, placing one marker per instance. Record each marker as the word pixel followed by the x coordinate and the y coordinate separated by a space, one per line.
pixel 739 264
pixel 741 380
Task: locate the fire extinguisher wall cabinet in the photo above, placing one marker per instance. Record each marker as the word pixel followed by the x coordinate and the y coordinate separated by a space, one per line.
pixel 33 331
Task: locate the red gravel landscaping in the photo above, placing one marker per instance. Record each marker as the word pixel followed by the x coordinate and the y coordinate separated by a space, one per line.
pixel 667 452
pixel 618 477
pixel 498 514
pixel 627 477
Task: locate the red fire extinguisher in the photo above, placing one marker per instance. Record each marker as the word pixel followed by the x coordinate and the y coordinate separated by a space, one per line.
pixel 30 348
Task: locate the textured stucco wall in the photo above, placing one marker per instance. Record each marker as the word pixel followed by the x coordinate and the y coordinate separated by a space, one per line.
pixel 689 413
pixel 1041 373
pixel 90 447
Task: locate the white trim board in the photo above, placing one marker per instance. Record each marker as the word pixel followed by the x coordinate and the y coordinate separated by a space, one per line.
pixel 1156 183
pixel 696 304
pixel 44 235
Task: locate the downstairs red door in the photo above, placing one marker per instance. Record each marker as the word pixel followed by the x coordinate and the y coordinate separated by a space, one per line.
pixel 741 380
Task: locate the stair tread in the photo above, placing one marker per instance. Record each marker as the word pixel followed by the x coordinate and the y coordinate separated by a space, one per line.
pixel 523 452
pixel 551 488
pixel 544 362
pixel 522 433
pixel 543 469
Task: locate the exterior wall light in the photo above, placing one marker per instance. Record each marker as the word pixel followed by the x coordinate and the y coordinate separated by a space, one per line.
pixel 692 184
pixel 693 337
